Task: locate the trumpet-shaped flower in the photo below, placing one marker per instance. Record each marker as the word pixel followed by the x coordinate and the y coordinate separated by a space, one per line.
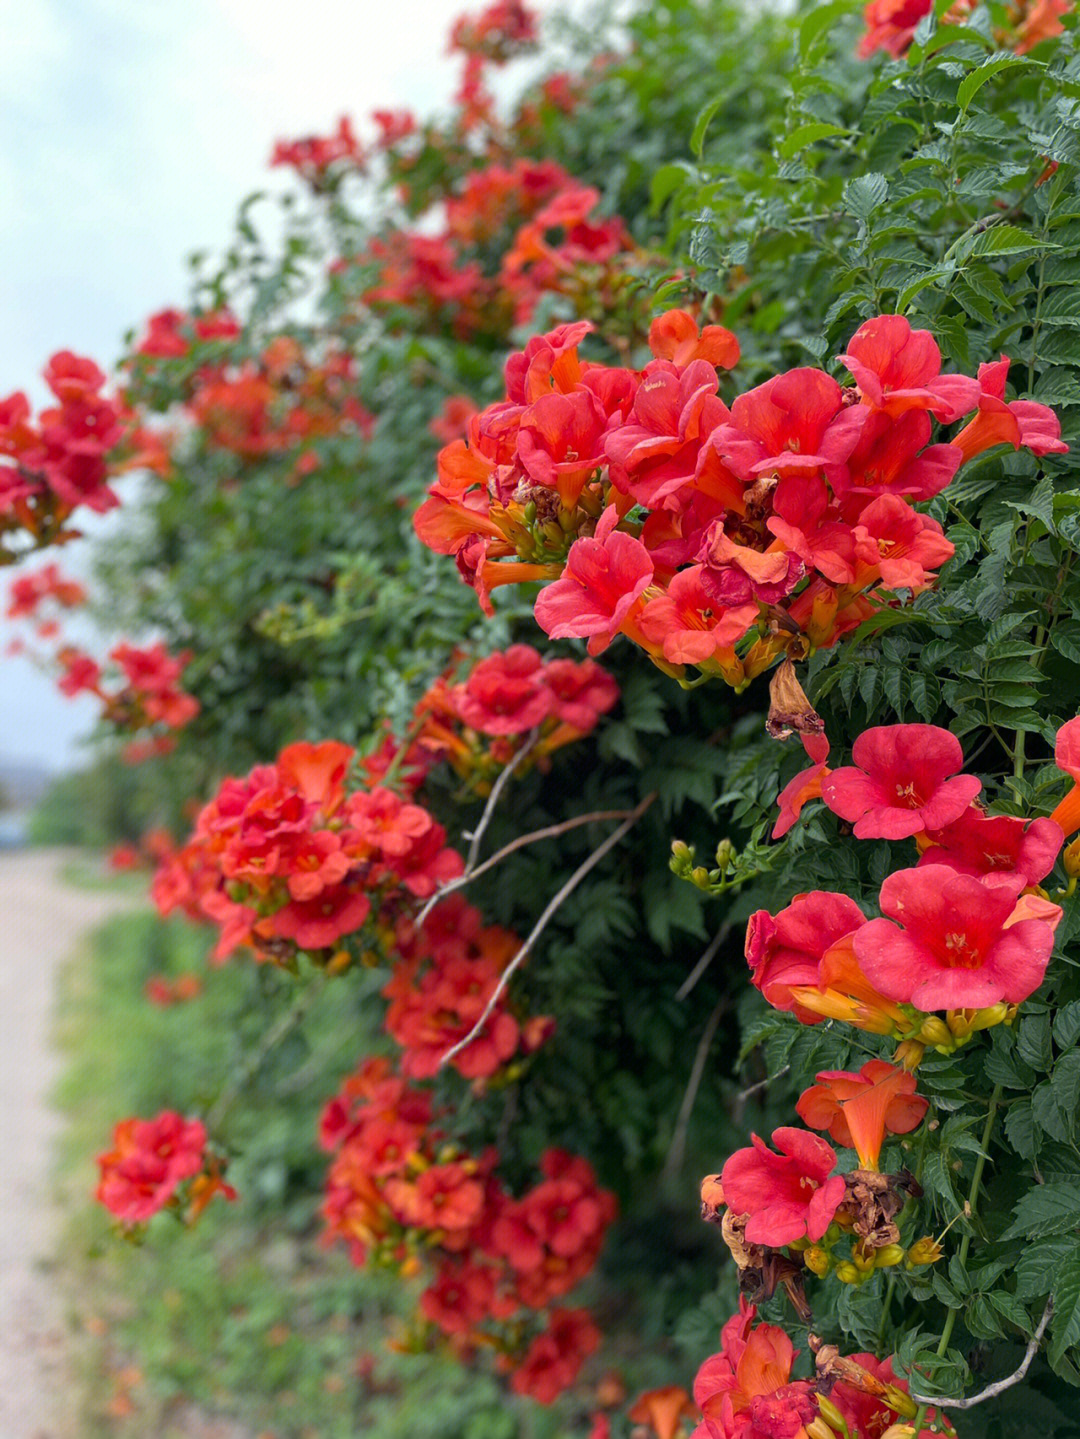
pixel 805 786
pixel 787 1196
pixel 1067 758
pixel 1020 423
pixel 979 843
pixel 897 368
pixel 604 576
pixel 904 780
pixel 858 1110
pixel 786 950
pixel 956 941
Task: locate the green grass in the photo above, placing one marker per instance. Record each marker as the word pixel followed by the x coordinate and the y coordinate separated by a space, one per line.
pixel 246 1316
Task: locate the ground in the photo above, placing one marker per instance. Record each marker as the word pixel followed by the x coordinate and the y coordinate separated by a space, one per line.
pixel 43 922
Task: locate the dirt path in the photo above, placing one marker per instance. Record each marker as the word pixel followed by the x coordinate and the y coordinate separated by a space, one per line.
pixel 43 922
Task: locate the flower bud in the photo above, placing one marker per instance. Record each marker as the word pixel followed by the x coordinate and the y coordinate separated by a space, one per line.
pixel 819 1429
pixel 935 1031
pixel 993 1014
pixel 959 1023
pixel 899 1431
pixel 847 1273
pixel 831 1415
pixel 889 1255
pixel 681 851
pixel 725 854
pixel 909 1054
pixel 700 877
pixel 924 1251
pixel 817 1260
pixel 1071 859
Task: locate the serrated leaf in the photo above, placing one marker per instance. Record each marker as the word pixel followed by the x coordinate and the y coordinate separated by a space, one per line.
pixel 1010 1308
pixel 864 194
pixel 1008 240
pixel 1066 640
pixel 1065 1082
pixel 1020 1129
pixel 1046 1211
pixel 1037 1265
pixel 1047 1114
pixel 974 82
pixel 1033 1042
pixel 1065 1325
pixel 1067 1025
pixel 981 1319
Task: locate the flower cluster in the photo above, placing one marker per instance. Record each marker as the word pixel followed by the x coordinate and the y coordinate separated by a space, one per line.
pixel 173 334
pixel 143 697
pixel 443 976
pixel 782 521
pixel 322 160
pixel 289 859
pixel 401 1195
pixel 891 24
pixel 501 31
pixel 535 218
pixel 513 698
pixel 964 930
pixel 151 1160
pixel 745 1391
pixel 785 1211
pixel 64 459
pixel 27 593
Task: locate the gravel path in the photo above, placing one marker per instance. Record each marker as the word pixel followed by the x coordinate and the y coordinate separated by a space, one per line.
pixel 42 924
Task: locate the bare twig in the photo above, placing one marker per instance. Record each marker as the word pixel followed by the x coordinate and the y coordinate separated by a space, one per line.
pixel 999 1385
pixel 493 798
pixel 704 962
pixel 477 835
pixel 551 831
pixel 745 1094
pixel 678 1141
pixel 542 923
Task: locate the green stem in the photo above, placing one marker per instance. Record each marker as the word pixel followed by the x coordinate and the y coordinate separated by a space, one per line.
pixel 886 1311
pixel 965 1243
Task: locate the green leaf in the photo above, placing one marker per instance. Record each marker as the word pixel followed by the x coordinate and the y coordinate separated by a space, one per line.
pixel 1033 1042
pixel 1037 1265
pixel 804 135
pixel 701 124
pixel 865 194
pixel 1020 1129
pixel 1048 1210
pixel 1065 1081
pixel 974 82
pixel 820 21
pixel 1047 1114
pixel 1007 240
pixel 666 181
pixel 1010 1308
pixel 1067 1023
pixel 1065 1325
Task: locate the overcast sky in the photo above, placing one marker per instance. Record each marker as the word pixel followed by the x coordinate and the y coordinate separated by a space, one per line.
pixel 130 131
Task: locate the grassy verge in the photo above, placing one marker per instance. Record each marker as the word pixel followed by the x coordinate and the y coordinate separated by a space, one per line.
pixel 245 1318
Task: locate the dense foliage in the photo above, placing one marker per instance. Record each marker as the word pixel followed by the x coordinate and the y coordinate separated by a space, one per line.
pixel 792 388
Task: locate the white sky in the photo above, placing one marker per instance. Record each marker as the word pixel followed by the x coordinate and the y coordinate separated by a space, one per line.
pixel 130 130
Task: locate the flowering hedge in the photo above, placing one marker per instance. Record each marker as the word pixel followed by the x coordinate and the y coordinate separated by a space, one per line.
pixel 780 389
